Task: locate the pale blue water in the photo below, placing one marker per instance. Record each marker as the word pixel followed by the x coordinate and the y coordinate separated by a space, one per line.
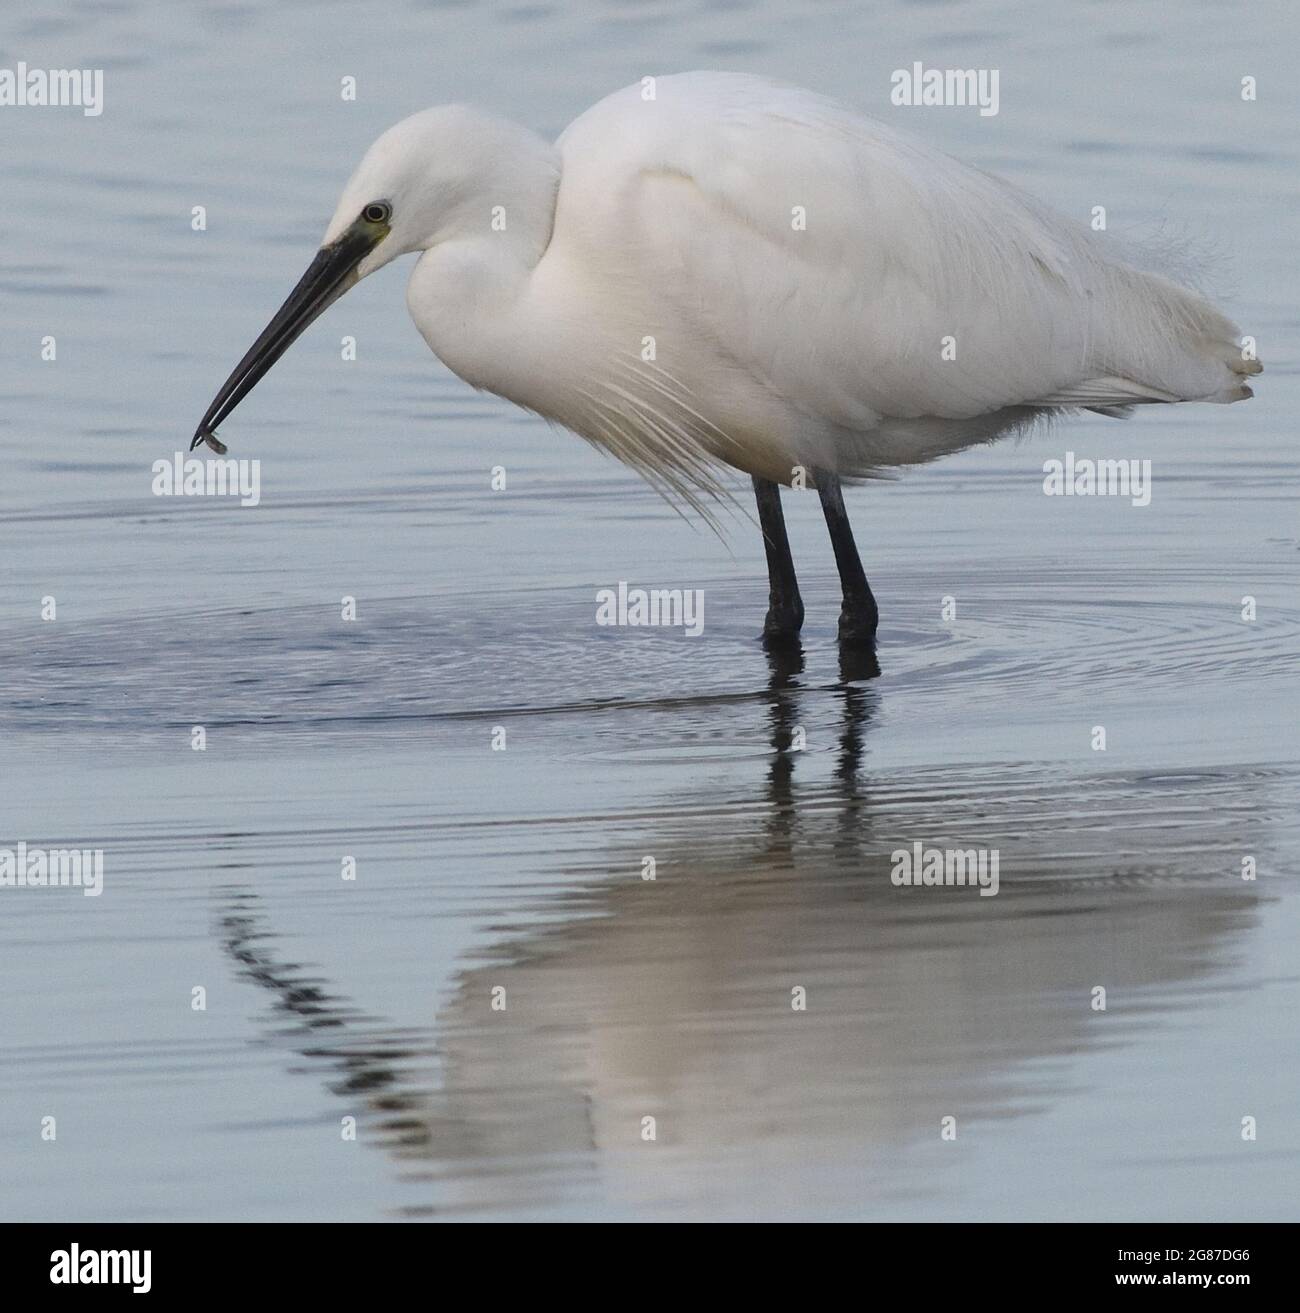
pixel 521 869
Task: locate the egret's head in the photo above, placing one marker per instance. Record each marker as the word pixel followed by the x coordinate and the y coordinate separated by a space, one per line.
pixel 424 181
pixel 414 186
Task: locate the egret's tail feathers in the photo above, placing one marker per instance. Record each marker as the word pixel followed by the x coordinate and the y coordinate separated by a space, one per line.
pixel 1095 393
pixel 1239 367
pixel 1105 394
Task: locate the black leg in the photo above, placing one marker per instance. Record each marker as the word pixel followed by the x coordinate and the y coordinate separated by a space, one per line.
pixel 785 606
pixel 858 615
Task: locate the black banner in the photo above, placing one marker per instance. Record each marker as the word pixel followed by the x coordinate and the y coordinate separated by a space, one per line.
pixel 140 1261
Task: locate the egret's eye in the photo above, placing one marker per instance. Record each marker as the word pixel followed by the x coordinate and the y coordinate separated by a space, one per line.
pixel 377 212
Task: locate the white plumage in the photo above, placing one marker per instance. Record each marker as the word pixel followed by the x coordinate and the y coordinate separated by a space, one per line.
pixel 712 269
pixel 743 272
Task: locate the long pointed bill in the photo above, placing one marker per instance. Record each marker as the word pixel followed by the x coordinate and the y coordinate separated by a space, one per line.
pixel 328 276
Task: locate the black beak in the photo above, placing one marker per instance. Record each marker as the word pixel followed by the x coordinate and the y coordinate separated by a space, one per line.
pixel 328 276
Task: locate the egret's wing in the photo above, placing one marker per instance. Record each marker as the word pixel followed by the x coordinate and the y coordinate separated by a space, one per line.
pixel 861 275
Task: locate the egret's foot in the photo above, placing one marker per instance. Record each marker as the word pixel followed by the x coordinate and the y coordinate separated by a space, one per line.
pixel 858 621
pixel 782 625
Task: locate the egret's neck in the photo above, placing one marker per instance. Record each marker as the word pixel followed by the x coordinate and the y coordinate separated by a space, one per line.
pixel 467 284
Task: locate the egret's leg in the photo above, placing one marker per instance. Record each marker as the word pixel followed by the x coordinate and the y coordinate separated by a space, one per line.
pixel 785 606
pixel 858 615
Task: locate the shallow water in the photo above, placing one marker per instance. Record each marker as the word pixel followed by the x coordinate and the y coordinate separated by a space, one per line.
pixel 770 793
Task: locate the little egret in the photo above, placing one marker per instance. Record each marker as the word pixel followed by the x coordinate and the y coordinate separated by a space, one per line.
pixel 712 269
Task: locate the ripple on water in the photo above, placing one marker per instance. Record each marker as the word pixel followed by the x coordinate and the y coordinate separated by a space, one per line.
pixel 302 668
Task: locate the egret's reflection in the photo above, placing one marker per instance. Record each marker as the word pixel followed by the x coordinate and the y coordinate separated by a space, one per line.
pixel 677 998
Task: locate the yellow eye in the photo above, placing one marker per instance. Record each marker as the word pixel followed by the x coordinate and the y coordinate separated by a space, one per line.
pixel 377 212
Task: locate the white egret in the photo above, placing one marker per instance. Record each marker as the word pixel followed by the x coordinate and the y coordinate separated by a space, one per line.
pixel 712 269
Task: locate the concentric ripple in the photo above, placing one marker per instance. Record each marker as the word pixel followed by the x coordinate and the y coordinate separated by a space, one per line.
pixel 542 652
